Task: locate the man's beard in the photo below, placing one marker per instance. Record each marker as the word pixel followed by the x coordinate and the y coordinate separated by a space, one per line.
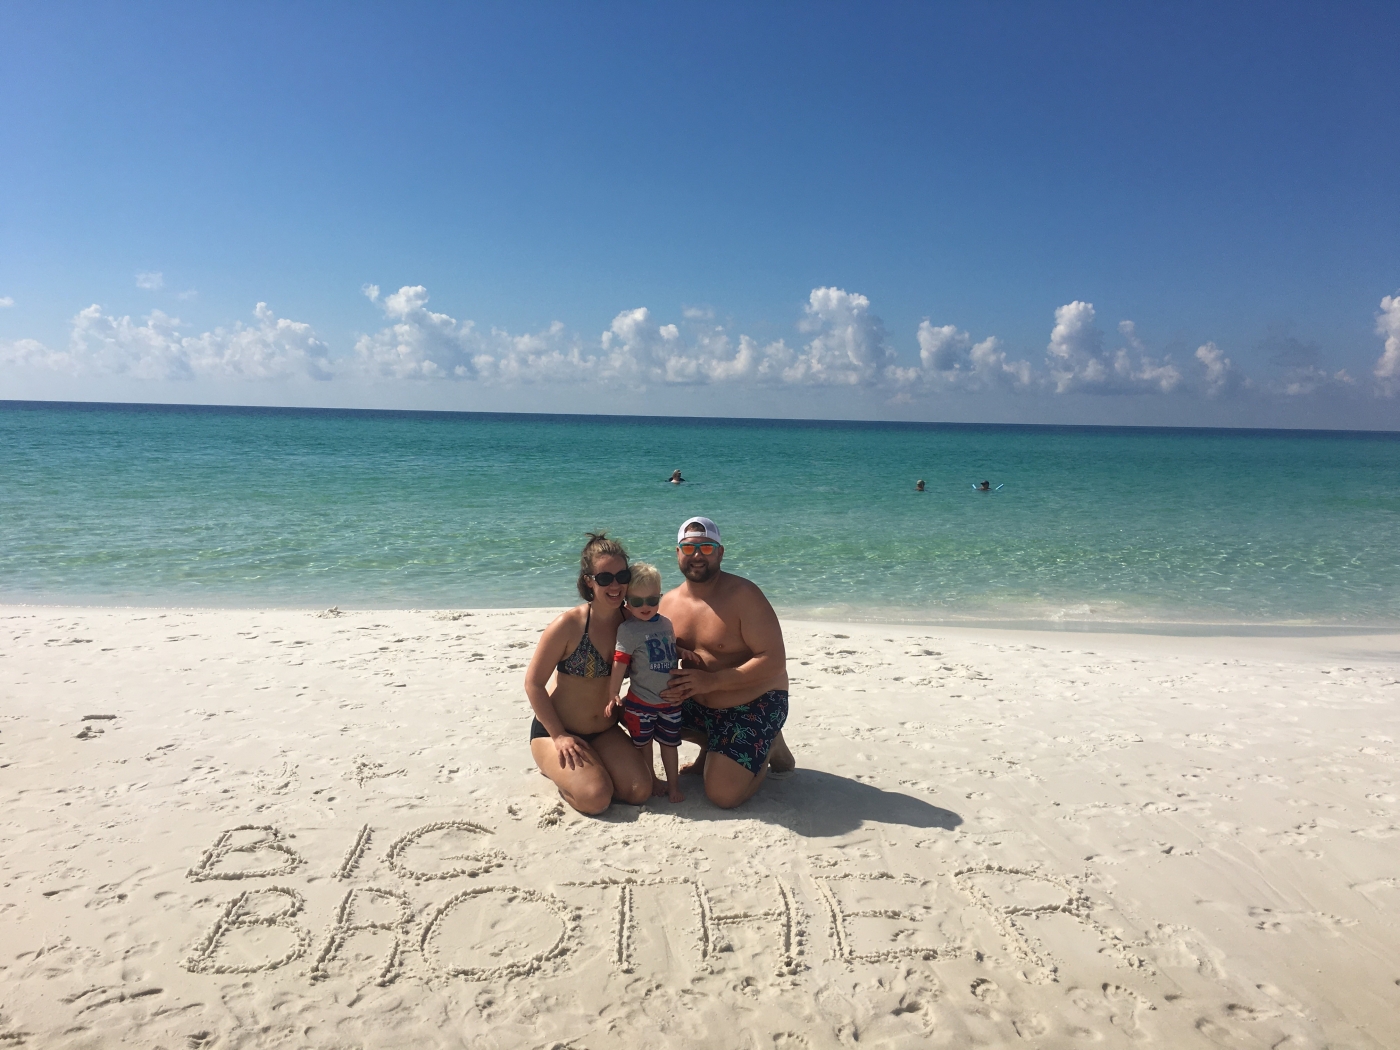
pixel 700 572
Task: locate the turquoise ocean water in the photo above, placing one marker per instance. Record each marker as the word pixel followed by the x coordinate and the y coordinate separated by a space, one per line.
pixel 249 507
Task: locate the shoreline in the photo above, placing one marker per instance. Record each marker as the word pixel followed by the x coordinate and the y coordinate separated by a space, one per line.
pixel 249 827
pixel 1051 625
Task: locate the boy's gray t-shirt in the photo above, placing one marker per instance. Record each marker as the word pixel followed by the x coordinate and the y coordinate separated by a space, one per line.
pixel 648 648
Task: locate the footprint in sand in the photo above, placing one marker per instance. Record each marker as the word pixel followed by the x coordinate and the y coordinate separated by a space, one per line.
pixel 987 991
pixel 368 769
pixel 1031 1027
pixel 279 782
pixel 1121 1006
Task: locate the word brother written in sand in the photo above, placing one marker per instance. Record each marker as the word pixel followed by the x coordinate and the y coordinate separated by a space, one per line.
pixel 476 927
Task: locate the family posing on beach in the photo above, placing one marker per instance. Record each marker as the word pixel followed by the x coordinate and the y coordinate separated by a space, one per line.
pixel 706 664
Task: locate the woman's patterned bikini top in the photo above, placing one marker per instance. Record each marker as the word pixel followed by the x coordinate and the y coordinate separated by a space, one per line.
pixel 585 661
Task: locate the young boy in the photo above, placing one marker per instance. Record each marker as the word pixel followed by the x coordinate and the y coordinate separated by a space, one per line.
pixel 646 646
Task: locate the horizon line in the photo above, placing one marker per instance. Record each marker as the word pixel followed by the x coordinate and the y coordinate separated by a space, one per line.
pixel 22 404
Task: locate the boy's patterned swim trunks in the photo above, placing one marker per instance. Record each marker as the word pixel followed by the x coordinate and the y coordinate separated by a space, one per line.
pixel 644 721
pixel 744 733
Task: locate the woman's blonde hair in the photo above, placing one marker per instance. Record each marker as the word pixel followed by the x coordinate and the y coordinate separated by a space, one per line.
pixel 644 573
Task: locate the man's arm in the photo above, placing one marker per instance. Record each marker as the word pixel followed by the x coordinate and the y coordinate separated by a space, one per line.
pixel 763 637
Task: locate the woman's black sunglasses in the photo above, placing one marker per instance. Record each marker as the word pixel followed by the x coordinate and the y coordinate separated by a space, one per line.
pixel 605 579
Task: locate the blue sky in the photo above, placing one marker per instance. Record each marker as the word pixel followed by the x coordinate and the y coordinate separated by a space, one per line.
pixel 873 210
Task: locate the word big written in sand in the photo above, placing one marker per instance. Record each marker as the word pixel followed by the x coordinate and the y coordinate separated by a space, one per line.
pixel 868 917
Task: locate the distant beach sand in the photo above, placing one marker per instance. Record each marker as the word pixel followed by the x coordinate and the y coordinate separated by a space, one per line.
pixel 288 829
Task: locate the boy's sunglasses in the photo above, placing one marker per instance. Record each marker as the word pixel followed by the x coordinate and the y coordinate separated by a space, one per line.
pixel 698 548
pixel 605 579
pixel 651 601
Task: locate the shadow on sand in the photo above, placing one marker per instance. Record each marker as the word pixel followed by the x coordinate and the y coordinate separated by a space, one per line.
pixel 811 802
pixel 818 804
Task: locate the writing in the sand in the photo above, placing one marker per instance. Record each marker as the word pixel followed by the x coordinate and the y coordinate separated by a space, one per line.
pixel 485 930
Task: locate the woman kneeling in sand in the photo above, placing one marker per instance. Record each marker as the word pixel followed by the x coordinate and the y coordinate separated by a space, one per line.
pixel 574 742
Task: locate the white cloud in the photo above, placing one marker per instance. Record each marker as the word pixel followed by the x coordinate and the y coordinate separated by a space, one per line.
pixel 1221 376
pixel 152 282
pixel 950 358
pixel 270 348
pixel 1307 380
pixel 848 347
pixel 636 349
pixel 419 344
pixel 28 353
pixel 6 301
pixel 1076 347
pixel 1387 369
pixel 1078 362
pixel 424 344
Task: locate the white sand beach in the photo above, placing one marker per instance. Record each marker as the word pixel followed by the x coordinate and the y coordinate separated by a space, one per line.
pixel 283 829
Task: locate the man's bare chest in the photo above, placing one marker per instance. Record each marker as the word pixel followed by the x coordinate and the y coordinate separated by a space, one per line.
pixel 704 631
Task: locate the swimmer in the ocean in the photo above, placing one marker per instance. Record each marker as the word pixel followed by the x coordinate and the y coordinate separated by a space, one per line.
pixel 919 485
pixel 986 486
pixel 676 478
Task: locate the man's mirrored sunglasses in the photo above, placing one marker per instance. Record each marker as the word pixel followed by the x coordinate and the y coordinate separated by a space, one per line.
pixel 698 548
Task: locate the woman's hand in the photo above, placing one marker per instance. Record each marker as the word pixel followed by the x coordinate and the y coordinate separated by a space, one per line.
pixel 572 752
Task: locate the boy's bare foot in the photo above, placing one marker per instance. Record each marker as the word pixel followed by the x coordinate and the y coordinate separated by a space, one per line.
pixel 658 787
pixel 674 793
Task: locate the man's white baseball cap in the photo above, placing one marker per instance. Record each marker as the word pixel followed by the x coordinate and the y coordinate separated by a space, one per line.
pixel 711 531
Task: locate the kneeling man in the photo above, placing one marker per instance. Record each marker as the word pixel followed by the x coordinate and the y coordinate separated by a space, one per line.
pixel 733 676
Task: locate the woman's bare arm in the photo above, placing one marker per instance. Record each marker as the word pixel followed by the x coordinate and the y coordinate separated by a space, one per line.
pixel 619 672
pixel 550 650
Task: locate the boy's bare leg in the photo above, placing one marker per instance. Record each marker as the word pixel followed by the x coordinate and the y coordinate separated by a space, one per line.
pixel 669 760
pixel 649 757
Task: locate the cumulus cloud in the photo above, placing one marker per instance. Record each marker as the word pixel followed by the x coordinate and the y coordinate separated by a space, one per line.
pixel 841 343
pixel 1302 368
pixel 1306 381
pixel 848 347
pixel 419 344
pixel 949 358
pixel 1221 376
pixel 424 344
pixel 152 281
pixel 1076 347
pixel 270 348
pixel 849 344
pixel 1078 361
pixel 1387 370
pixel 6 301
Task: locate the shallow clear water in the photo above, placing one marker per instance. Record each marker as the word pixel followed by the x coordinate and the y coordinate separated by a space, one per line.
pixel 145 504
